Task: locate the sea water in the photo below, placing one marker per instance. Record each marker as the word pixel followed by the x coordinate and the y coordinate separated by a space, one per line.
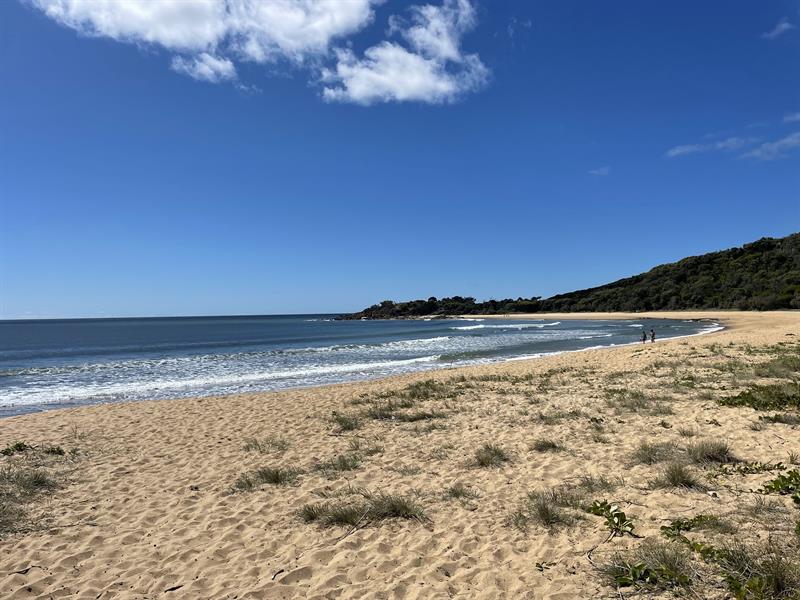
pixel 56 363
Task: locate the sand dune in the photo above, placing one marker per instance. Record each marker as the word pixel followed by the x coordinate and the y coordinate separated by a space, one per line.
pixel 146 508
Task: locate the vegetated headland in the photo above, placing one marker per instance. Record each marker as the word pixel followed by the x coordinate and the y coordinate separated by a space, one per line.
pixel 763 275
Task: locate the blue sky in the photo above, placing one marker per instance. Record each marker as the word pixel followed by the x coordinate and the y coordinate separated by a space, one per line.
pixel 204 157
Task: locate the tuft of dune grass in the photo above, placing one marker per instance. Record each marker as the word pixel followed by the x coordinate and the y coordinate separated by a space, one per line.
pixel 247 482
pixel 371 509
pixel 490 455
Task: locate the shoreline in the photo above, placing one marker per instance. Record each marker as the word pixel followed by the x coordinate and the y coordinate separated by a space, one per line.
pixel 38 408
pixel 146 502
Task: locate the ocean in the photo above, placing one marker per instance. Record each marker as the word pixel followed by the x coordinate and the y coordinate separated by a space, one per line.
pixel 46 364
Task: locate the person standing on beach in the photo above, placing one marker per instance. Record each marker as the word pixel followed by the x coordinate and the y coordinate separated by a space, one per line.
pixel 652 336
pixel 644 336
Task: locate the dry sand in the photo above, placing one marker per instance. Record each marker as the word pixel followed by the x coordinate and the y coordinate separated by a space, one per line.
pixel 146 510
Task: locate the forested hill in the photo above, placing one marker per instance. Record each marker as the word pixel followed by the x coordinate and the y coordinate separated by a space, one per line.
pixel 764 275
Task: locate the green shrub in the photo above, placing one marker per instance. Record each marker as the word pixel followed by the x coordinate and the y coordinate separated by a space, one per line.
pixel 759 572
pixel 746 468
pixel 676 529
pixel 652 564
pixel 767 397
pixel 15 448
pixel 783 418
pixel 616 520
pixel 787 484
pixel 786 366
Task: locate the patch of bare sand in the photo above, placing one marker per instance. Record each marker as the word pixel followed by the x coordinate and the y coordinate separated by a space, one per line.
pixel 148 511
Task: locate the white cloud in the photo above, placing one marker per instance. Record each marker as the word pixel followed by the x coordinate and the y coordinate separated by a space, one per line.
pixel 776 149
pixel 601 172
pixel 260 30
pixel 729 144
pixel 205 67
pixel 782 27
pixel 208 37
pixel 685 149
pixel 173 24
pixel 792 118
pixel 294 28
pixel 431 69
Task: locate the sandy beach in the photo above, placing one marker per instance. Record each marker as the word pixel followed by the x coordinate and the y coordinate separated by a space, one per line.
pixel 149 499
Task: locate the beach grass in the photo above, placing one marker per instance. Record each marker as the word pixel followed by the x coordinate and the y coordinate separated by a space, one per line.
pixel 340 462
pixel 270 443
pixel 549 508
pixel 491 455
pixel 711 451
pixel 460 491
pixel 678 475
pixel 346 422
pixel 371 509
pixel 650 453
pixel 546 445
pixel 248 482
pixel 652 565
pixel 30 473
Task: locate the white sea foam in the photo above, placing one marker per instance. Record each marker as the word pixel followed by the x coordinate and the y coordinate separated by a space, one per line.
pixel 143 389
pixel 507 326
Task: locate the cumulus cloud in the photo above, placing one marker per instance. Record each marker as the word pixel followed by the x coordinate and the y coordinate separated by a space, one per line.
pixel 205 67
pixel 601 172
pixel 174 24
pixel 258 30
pixel 777 149
pixel 295 29
pixel 208 37
pixel 429 67
pixel 782 27
pixel 729 144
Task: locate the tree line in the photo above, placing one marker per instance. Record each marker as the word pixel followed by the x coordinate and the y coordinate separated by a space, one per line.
pixel 763 275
